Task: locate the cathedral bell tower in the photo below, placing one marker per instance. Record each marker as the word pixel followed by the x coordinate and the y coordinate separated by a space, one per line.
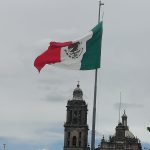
pixel 75 127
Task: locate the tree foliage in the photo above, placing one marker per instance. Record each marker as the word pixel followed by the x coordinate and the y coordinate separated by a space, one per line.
pixel 148 128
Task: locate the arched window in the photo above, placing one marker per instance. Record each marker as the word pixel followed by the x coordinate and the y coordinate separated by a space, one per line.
pixel 80 134
pixel 75 113
pixel 79 143
pixel 75 117
pixel 80 116
pixel 74 141
pixel 68 134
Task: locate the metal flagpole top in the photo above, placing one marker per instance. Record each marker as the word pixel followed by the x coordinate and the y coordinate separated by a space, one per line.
pixel 100 4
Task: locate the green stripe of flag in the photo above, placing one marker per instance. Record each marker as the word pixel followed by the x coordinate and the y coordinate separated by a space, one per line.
pixel 91 58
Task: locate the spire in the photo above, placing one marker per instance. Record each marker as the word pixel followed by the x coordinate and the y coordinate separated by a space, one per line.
pixel 124 115
pixel 77 93
pixel 124 119
pixel 103 139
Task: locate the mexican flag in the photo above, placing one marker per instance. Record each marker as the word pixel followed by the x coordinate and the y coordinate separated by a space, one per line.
pixel 81 54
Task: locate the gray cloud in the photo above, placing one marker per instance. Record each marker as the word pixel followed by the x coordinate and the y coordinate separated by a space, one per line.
pixel 128 105
pixel 56 98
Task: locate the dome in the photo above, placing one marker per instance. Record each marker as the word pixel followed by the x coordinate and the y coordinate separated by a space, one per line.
pixel 77 93
pixel 129 134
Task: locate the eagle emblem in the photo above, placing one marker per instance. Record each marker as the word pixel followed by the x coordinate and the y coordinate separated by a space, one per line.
pixel 74 50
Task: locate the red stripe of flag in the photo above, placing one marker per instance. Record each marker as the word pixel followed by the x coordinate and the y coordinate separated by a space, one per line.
pixel 51 55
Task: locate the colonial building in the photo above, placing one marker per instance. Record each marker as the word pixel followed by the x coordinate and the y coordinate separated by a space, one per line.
pixel 75 127
pixel 122 140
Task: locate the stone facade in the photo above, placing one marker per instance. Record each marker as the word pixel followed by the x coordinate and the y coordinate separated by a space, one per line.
pixel 122 140
pixel 76 129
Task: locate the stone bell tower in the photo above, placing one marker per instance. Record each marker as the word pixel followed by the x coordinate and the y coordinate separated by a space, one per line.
pixel 75 127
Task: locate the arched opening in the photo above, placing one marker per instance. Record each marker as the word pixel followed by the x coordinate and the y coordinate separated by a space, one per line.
pixel 68 135
pixel 80 116
pixel 70 118
pixel 74 141
pixel 80 134
pixel 75 117
pixel 79 143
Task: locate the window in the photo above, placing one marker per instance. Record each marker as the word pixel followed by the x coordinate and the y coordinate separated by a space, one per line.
pixel 79 143
pixel 80 116
pixel 75 114
pixel 75 117
pixel 68 134
pixel 80 134
pixel 70 119
pixel 74 141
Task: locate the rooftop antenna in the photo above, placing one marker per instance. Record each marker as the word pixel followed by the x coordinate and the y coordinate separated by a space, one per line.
pixel 119 107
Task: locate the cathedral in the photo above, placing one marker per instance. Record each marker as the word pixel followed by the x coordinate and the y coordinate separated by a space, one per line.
pixel 76 129
pixel 123 139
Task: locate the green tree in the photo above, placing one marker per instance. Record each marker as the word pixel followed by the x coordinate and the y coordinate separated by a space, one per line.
pixel 148 128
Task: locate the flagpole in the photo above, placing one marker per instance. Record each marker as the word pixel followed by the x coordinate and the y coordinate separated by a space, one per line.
pixel 95 94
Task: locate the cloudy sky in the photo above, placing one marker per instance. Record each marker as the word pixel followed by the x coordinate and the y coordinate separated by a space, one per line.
pixel 32 105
